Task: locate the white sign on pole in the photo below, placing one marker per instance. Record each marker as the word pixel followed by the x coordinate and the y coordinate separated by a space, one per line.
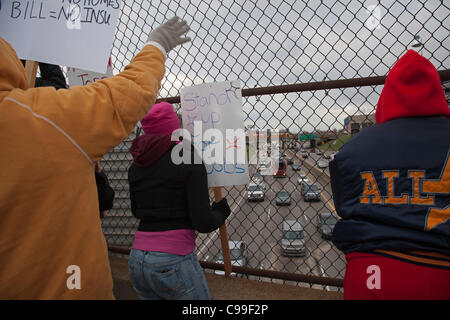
pixel 213 114
pixel 80 77
pixel 77 33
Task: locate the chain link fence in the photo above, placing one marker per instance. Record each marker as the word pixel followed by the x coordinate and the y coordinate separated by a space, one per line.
pixel 275 43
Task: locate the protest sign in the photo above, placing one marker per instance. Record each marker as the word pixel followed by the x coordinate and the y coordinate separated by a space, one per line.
pixel 213 114
pixel 80 77
pixel 76 33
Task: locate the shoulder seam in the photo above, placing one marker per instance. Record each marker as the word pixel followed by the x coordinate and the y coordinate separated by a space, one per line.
pixel 54 125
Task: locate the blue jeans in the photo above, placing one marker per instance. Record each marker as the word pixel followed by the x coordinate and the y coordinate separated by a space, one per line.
pixel 165 276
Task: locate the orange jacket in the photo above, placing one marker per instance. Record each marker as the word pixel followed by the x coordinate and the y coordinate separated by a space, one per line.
pixel 49 142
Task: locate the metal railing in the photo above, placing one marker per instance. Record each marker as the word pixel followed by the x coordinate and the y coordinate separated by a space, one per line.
pixel 304 67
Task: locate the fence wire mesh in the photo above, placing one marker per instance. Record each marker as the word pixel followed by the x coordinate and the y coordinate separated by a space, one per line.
pixel 263 44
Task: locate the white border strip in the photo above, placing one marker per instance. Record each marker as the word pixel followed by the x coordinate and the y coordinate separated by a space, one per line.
pixel 54 125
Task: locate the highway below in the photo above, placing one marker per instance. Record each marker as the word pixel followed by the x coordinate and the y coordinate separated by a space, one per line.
pixel 258 224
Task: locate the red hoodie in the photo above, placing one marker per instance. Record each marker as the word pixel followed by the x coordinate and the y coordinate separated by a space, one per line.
pixel 412 89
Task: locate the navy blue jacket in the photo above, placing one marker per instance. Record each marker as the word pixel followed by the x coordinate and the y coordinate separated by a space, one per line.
pixel 391 185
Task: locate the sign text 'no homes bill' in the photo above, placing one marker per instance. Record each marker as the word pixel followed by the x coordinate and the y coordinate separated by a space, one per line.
pixel 76 33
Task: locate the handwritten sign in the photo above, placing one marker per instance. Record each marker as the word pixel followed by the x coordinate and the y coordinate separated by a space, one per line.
pixel 80 77
pixel 77 33
pixel 213 114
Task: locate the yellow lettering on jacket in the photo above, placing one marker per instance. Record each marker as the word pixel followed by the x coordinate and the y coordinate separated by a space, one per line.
pixel 416 197
pixel 439 186
pixel 391 198
pixel 371 194
pixel 436 215
pixel 426 196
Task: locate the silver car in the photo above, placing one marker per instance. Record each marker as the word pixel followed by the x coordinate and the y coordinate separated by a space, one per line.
pixel 293 238
pixel 322 164
pixel 283 198
pixel 310 192
pixel 302 178
pixel 325 224
pixel 238 256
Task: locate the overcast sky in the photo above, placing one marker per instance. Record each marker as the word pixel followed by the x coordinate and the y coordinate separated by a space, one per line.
pixel 288 42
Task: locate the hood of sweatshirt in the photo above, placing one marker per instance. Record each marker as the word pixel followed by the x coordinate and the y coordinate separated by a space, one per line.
pixel 12 72
pixel 148 148
pixel 412 89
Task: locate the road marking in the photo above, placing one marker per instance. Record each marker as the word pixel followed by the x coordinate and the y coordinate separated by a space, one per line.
pixel 331 206
pixel 333 209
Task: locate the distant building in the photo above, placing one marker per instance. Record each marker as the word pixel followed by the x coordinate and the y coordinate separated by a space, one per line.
pixel 354 124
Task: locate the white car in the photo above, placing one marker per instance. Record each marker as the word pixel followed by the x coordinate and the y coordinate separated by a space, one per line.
pixel 322 164
pixel 255 192
pixel 301 179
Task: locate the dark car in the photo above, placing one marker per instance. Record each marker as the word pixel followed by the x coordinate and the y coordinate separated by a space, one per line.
pixel 325 224
pixel 290 160
pixel 296 167
pixel 283 198
pixel 282 166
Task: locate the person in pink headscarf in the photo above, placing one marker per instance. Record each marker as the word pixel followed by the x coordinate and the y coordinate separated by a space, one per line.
pixel 172 204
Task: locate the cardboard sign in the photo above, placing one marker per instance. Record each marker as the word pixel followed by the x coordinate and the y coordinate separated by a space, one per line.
pixel 80 77
pixel 213 114
pixel 76 33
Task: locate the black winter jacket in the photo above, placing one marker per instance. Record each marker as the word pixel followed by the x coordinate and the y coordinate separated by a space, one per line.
pixel 165 196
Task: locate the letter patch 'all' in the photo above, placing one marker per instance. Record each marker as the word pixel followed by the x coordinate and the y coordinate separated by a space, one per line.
pixel 423 192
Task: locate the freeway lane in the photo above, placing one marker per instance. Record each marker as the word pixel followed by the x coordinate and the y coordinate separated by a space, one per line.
pixel 329 258
pixel 258 224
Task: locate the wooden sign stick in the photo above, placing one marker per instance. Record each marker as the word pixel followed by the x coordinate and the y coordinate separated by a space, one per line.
pixel 223 236
pixel 31 71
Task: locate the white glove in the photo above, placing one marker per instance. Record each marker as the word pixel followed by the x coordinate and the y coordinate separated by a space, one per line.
pixel 169 35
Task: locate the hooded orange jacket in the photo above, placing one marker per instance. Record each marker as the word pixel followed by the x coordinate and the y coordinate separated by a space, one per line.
pixel 50 140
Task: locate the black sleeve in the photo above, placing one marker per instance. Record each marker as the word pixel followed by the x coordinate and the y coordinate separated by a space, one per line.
pixel 51 76
pixel 105 192
pixel 204 218
pixel 130 183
